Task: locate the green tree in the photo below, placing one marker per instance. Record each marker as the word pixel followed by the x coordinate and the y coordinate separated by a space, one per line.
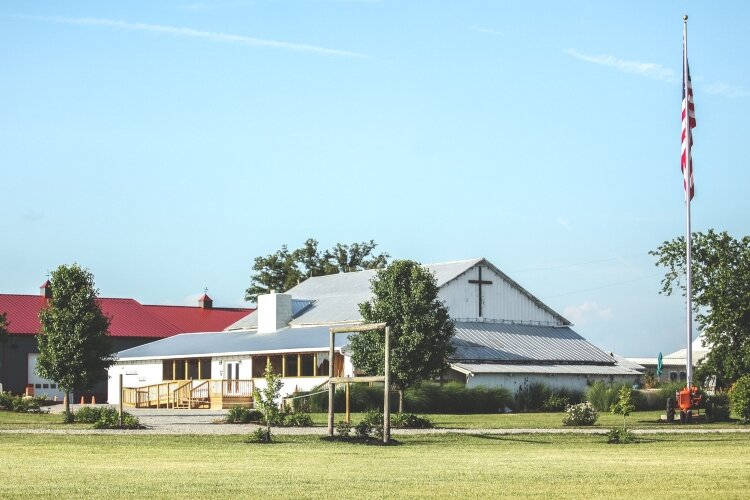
pixel 406 298
pixel 74 348
pixel 3 337
pixel 265 400
pixel 3 327
pixel 286 268
pixel 721 297
pixel 624 405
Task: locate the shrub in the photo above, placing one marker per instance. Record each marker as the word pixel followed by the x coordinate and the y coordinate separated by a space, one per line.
pixel 410 421
pixel 109 418
pixel 371 425
pixel 343 428
pixel 531 397
pixel 20 404
pixel 87 415
pixel 242 415
pixel 580 414
pixel 68 417
pixel 739 396
pixel 556 402
pixel 717 407
pixel 260 435
pixel 620 436
pixel 429 397
pixel 296 419
pixel 603 396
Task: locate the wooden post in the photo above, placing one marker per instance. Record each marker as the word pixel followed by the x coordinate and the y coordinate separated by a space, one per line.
pixel 121 396
pixel 387 388
pixel 331 386
pixel 347 403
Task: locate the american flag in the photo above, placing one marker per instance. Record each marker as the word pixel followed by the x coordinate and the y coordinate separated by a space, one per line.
pixel 688 123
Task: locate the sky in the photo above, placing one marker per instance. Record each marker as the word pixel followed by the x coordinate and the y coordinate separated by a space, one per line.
pixel 164 145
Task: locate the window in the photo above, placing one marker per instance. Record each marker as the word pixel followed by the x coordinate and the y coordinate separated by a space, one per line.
pixel 322 364
pixel 276 364
pixel 292 363
pixel 307 365
pixel 259 366
pixel 186 369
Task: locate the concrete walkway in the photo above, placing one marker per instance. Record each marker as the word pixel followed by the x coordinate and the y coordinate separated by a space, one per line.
pixel 207 422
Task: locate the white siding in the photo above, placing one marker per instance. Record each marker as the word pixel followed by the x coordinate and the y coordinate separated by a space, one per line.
pixel 135 374
pixel 500 300
pixel 513 382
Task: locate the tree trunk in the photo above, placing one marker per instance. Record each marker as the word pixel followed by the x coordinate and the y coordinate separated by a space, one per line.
pixel 66 402
pixel 401 401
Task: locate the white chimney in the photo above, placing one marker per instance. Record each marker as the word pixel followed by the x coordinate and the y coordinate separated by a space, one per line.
pixel 274 311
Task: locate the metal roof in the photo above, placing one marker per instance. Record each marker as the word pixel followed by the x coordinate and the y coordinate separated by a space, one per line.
pixel 336 297
pixel 234 342
pixel 493 341
pixel 553 369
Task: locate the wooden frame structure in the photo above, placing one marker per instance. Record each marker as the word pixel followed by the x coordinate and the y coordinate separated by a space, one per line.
pixel 386 379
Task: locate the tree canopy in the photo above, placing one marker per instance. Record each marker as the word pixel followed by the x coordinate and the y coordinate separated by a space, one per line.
pixel 406 298
pixel 286 268
pixel 74 347
pixel 3 327
pixel 721 298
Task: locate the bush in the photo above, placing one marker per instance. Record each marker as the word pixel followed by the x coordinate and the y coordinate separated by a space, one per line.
pixel 68 417
pixel 296 419
pixel 109 418
pixel 20 404
pixel 556 402
pixel 739 396
pixel 667 391
pixel 531 397
pixel 603 396
pixel 410 421
pixel 343 428
pixel 620 436
pixel 580 414
pixel 717 407
pixel 371 425
pixel 429 397
pixel 260 435
pixel 87 415
pixel 242 415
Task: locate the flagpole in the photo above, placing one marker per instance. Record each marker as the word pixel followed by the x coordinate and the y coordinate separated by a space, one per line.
pixel 688 187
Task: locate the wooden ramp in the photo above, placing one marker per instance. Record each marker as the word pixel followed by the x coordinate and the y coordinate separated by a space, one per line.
pixel 191 394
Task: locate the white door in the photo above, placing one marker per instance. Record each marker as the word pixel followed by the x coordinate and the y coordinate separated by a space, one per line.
pixel 232 375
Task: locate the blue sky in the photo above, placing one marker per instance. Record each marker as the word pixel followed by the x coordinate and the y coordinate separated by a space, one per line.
pixel 164 145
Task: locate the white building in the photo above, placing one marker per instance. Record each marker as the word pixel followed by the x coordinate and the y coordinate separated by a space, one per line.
pixel 505 337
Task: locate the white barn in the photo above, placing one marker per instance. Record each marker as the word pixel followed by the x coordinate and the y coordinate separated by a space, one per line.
pixel 505 337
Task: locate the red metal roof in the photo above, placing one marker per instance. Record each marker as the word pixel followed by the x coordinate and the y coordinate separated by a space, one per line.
pixel 129 317
pixel 196 319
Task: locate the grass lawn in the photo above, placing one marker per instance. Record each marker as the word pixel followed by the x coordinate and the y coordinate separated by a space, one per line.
pixel 641 419
pixel 458 466
pixel 12 420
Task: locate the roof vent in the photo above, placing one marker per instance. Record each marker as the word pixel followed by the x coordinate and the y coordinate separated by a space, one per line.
pixel 46 290
pixel 206 302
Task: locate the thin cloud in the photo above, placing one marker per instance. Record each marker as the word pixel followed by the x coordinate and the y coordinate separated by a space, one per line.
pixel 586 313
pixel 647 69
pixel 726 90
pixel 481 29
pixel 212 36
pixel 565 223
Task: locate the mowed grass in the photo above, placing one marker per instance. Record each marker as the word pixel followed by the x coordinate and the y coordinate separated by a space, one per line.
pixel 12 420
pixel 637 420
pixel 425 466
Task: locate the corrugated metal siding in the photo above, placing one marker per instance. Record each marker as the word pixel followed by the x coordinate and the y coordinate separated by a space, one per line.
pixel 555 369
pixel 513 342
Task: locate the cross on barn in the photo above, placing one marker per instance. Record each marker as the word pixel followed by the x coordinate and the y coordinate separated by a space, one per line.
pixel 479 282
